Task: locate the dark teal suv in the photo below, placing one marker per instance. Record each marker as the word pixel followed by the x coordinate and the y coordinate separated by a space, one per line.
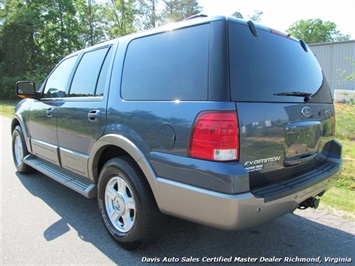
pixel 214 120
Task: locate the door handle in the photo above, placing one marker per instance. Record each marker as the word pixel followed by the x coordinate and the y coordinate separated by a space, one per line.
pixel 94 115
pixel 49 112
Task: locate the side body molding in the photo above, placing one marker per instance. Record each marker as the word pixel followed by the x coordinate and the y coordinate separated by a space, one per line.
pixel 130 148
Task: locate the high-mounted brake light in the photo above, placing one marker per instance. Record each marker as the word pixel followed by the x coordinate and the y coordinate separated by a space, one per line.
pixel 280 33
pixel 215 136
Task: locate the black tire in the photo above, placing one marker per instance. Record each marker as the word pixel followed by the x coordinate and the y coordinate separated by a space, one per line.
pixel 127 205
pixel 19 151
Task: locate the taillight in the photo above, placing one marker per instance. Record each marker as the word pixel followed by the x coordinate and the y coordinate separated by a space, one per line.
pixel 215 136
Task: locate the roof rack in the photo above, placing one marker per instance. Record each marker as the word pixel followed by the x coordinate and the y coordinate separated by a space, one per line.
pixel 197 16
pixel 101 41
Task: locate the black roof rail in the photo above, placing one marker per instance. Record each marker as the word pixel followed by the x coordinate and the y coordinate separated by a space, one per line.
pixel 101 41
pixel 196 16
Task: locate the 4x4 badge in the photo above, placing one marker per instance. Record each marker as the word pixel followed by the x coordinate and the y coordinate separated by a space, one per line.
pixel 306 111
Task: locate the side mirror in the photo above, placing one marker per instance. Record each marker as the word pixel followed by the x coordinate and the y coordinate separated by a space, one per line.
pixel 25 89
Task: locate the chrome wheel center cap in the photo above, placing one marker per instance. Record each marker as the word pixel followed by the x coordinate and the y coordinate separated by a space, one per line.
pixel 119 204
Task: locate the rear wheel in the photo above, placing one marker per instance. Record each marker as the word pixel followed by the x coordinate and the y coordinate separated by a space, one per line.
pixel 127 205
pixel 19 151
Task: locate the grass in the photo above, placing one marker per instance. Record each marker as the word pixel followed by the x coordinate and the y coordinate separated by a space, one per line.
pixel 347 180
pixel 340 197
pixel 7 107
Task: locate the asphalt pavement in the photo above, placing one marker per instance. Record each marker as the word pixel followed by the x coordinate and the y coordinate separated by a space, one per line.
pixel 45 223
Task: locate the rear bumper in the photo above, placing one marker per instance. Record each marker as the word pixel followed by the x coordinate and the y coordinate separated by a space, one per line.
pixel 238 211
pixel 230 212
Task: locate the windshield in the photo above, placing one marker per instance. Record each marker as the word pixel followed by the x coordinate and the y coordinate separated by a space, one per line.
pixel 272 68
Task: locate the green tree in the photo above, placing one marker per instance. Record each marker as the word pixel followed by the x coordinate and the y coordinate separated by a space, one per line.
pixel 149 15
pixel 177 10
pixel 256 17
pixel 19 51
pixel 237 15
pixel 120 17
pixel 316 31
pixel 350 75
pixel 21 57
pixel 61 34
pixel 91 22
pixel 2 12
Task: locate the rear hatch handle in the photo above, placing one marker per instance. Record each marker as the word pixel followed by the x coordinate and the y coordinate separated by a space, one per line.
pixel 299 159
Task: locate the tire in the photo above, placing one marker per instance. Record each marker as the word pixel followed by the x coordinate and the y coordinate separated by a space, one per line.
pixel 127 205
pixel 19 151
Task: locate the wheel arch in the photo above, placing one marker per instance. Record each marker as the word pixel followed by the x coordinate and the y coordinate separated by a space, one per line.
pixel 17 121
pixel 112 145
pixel 14 123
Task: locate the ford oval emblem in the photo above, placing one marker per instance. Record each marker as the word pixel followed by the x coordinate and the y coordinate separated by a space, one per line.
pixel 306 111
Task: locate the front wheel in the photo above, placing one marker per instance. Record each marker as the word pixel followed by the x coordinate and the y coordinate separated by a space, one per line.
pixel 19 151
pixel 127 204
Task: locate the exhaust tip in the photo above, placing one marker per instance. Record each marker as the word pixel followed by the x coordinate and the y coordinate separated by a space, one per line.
pixel 315 203
pixel 309 203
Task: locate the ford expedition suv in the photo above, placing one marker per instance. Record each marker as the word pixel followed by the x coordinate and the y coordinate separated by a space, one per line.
pixel 214 120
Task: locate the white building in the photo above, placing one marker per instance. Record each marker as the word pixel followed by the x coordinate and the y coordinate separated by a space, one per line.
pixel 334 58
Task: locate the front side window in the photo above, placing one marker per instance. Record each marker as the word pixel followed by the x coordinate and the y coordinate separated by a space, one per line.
pixel 57 82
pixel 87 74
pixel 168 66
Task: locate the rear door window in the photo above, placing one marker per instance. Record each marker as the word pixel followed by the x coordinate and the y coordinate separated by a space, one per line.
pixel 87 74
pixel 270 64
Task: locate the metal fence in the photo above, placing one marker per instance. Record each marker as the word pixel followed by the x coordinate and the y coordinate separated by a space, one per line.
pixel 345 120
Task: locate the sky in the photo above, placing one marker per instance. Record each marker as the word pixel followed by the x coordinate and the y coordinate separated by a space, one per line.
pixel 281 14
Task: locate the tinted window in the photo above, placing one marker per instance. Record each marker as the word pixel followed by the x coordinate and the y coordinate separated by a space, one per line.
pixel 87 73
pixel 168 66
pixel 268 64
pixel 103 75
pixel 58 80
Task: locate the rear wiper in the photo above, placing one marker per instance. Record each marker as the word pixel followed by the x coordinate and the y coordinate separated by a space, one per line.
pixel 307 96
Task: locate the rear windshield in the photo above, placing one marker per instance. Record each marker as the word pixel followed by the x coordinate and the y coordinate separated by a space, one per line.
pixel 270 64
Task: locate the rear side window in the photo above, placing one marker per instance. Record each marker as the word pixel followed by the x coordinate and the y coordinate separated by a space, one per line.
pixel 270 64
pixel 87 74
pixel 167 66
